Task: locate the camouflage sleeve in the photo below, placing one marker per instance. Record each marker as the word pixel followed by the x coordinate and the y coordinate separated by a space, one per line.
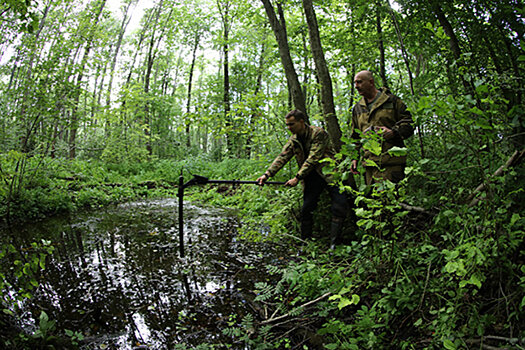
pixel 354 135
pixel 320 144
pixel 404 127
pixel 353 131
pixel 283 158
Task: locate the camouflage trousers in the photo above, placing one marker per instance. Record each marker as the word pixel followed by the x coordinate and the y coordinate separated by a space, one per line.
pixel 394 173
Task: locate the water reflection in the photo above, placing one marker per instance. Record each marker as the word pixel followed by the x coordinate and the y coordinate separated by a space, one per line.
pixel 116 275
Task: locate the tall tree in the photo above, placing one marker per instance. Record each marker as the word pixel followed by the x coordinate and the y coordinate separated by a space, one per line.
pixel 92 27
pixel 190 82
pixel 123 25
pixel 224 10
pixel 380 43
pixel 327 96
pixel 279 29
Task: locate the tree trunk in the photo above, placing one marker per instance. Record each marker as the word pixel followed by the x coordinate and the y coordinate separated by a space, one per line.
pixel 327 97
pixel 224 9
pixel 255 112
pixel 447 27
pixel 382 68
pixel 123 26
pixel 152 52
pixel 72 143
pixel 454 43
pixel 279 30
pixel 409 71
pixel 190 80
pixel 29 125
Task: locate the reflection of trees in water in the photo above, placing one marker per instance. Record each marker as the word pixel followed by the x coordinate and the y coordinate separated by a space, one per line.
pixel 120 276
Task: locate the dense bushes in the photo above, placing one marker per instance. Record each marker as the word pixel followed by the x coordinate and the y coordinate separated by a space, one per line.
pixel 451 278
pixel 34 188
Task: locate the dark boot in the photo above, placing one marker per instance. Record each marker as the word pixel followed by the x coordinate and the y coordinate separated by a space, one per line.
pixel 306 229
pixel 335 232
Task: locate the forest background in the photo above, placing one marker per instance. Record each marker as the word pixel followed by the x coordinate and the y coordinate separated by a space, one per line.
pixel 94 111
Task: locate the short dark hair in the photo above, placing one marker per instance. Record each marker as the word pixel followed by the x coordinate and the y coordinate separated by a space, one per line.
pixel 297 114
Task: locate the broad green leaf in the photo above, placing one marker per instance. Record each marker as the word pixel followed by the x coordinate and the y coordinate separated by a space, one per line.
pixel 448 344
pixel 344 302
pixel 369 162
pixel 483 88
pixel 515 217
pixel 373 146
pixel 475 281
pixel 456 267
pixel 476 110
pixel 397 151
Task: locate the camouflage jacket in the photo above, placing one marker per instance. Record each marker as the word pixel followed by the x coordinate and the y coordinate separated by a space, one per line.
pixel 390 111
pixel 317 146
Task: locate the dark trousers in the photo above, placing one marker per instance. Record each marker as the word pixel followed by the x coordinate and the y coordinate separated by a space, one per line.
pixel 314 185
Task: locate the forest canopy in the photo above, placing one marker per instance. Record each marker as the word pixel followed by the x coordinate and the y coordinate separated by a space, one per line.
pixel 89 79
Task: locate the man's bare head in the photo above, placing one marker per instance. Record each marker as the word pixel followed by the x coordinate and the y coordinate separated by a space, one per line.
pixel 364 83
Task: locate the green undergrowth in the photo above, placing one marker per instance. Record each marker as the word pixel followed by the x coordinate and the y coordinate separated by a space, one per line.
pixel 449 275
pixel 35 188
pixel 267 212
pixel 446 279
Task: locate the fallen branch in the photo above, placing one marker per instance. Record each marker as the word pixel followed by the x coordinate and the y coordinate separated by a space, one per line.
pixel 426 285
pixel 414 208
pixel 482 340
pixel 311 302
pixel 516 156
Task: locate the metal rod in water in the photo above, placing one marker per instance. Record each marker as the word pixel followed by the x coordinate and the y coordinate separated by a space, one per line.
pixel 201 180
pixel 180 194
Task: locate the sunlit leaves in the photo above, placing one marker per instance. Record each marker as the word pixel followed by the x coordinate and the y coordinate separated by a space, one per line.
pixel 345 301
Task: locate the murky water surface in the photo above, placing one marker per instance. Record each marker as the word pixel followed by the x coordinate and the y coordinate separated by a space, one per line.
pixel 117 277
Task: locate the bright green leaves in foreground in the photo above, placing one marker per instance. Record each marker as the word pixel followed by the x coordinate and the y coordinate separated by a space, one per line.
pixel 19 280
pixel 344 299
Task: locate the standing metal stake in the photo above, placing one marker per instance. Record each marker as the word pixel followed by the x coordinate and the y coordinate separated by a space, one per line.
pixel 180 194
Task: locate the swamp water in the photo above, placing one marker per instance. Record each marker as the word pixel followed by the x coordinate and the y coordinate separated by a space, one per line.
pixel 116 276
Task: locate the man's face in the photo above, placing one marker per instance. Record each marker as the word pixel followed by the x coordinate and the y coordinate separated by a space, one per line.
pixel 296 127
pixel 363 85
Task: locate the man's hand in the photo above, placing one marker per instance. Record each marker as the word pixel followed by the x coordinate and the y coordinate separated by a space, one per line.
pixel 262 179
pixel 387 133
pixel 292 182
pixel 353 167
pixel 382 130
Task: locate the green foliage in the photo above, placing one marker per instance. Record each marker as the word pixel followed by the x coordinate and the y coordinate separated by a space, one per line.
pixel 22 9
pixel 75 336
pixel 440 277
pixel 45 328
pixel 20 273
pixel 263 210
pixel 129 149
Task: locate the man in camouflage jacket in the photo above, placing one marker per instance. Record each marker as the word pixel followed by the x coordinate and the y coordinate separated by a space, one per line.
pixel 381 112
pixel 310 144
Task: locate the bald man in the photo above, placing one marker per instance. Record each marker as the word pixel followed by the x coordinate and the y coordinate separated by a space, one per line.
pixel 380 112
